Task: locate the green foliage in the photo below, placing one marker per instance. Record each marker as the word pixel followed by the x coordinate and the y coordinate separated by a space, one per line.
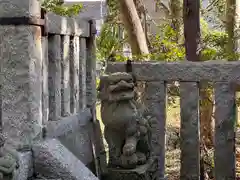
pixel 109 42
pixel 165 47
pixel 57 7
pixel 113 11
pixel 212 43
pixel 168 45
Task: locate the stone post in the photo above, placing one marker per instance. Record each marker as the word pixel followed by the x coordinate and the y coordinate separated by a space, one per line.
pixel 91 67
pixel 21 73
pixel 96 138
pixel 82 74
pixel 155 101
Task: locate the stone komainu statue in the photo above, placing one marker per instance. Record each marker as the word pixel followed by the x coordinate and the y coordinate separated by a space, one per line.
pixel 127 132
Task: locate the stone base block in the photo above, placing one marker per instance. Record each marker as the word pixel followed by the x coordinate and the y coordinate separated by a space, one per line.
pixel 54 161
pixel 147 171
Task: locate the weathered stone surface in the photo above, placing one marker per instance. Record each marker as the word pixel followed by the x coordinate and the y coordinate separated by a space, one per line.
pixel 45 96
pixel 190 145
pixel 67 26
pixel 82 74
pixel 14 8
pixel 74 133
pixel 20 74
pixel 127 132
pixel 118 76
pixel 119 86
pixel 65 90
pixel 154 99
pixel 178 71
pixel 79 143
pixel 74 74
pixel 69 124
pixel 25 166
pixel 91 94
pixel 53 160
pixel 225 115
pixel 143 172
pixel 54 80
pixel 91 69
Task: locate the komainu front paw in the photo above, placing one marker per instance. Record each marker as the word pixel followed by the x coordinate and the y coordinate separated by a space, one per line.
pixel 129 149
pixel 129 161
pixel 141 158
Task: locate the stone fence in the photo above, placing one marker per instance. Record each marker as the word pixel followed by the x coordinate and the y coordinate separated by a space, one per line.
pixel 225 77
pixel 47 76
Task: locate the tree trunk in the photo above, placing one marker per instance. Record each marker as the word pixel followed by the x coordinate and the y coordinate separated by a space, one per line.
pixel 237 42
pixel 206 112
pixel 176 9
pixel 142 13
pixel 191 18
pixel 237 25
pixel 230 27
pixel 133 26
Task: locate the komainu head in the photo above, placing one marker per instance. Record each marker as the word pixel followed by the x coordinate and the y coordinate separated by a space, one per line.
pixel 116 87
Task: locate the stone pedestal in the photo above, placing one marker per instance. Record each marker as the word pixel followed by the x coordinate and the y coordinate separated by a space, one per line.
pixel 147 171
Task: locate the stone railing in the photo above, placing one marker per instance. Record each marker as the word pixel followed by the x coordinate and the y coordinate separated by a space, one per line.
pixel 225 77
